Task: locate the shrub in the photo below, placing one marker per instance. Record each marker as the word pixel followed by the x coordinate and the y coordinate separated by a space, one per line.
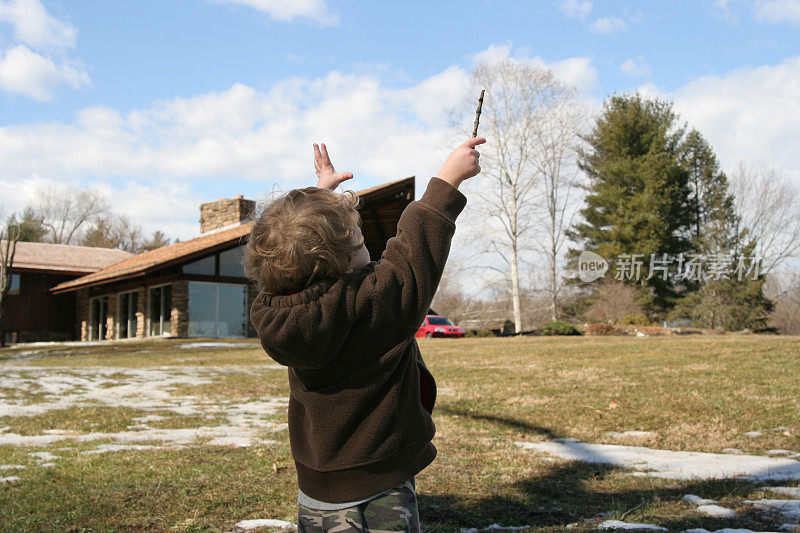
pixel 558 327
pixel 479 333
pixel 636 320
pixel 600 329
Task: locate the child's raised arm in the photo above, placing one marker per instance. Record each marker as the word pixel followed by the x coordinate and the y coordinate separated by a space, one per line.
pixel 328 177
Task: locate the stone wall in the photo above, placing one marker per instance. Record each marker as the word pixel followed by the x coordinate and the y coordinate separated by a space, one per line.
pixel 111 317
pixel 141 313
pixel 180 309
pixel 225 212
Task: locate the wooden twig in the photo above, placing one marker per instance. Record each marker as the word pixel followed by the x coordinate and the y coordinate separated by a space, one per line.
pixel 478 114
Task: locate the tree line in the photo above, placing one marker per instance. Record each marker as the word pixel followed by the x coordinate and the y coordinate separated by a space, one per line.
pixel 636 186
pixel 80 217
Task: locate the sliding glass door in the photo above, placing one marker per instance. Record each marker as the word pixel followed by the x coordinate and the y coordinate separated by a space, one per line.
pixel 159 316
pixel 127 306
pixel 217 309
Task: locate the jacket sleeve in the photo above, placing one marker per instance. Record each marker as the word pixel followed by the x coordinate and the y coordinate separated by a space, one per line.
pixel 405 279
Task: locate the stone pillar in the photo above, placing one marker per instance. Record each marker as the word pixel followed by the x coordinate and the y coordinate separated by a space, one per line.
pixel 141 312
pixel 111 317
pixel 180 309
pixel 82 315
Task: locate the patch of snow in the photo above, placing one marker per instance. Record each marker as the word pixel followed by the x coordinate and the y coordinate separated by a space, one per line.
pixel 632 434
pixel 104 448
pixel 734 451
pixel 672 464
pixel 716 511
pixel 12 467
pixel 493 527
pixel 790 527
pixel 697 500
pixel 44 456
pixel 174 436
pixel 239 442
pixel 265 522
pixel 782 453
pixel 724 530
pixel 794 492
pixel 788 509
pixel 9 479
pixel 618 524
pixel 219 345
pixel 47 465
pixel 4 428
pixel 753 434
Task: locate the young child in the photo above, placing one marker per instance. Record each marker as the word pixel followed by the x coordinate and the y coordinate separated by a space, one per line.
pixel 361 398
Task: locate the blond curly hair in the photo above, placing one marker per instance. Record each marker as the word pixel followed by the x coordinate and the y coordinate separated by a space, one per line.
pixel 302 237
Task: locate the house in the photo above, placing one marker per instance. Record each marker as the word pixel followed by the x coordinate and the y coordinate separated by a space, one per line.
pixel 198 288
pixel 32 312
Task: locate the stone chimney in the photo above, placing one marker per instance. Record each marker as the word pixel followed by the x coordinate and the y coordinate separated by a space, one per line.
pixel 225 212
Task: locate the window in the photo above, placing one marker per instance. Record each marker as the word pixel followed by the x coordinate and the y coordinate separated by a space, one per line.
pixel 14 287
pixel 230 262
pixel 127 306
pixel 159 316
pixel 217 309
pixel 98 317
pixel 439 321
pixel 206 266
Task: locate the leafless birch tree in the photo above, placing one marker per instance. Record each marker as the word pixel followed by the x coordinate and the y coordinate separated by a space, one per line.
pixel 65 212
pixel 769 209
pixel 531 121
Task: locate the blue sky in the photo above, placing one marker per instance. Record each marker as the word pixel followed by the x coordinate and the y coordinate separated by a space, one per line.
pixel 162 105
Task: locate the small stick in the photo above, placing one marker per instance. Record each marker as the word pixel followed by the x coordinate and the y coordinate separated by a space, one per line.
pixel 478 114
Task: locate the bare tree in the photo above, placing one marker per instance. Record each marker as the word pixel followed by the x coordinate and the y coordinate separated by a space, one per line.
pixel 64 212
pixel 9 235
pixel 784 291
pixel 531 120
pixel 769 208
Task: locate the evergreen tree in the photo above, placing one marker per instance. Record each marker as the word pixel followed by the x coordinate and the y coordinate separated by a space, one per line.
pixel 727 303
pixel 714 221
pixel 30 226
pixel 637 193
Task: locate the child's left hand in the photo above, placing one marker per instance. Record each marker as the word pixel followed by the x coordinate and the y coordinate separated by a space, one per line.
pixel 328 177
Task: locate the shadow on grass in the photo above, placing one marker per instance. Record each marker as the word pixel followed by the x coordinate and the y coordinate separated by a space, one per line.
pixel 564 494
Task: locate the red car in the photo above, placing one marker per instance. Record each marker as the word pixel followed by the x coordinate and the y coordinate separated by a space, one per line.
pixel 438 326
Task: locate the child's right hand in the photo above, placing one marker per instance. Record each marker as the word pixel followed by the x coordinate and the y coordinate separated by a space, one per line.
pixel 462 163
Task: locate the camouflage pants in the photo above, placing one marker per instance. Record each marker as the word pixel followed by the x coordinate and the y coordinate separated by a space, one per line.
pixel 396 510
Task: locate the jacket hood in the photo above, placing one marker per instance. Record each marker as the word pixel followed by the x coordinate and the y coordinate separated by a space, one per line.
pixel 306 329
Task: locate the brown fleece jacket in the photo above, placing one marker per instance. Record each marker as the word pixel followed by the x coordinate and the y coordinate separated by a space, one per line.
pixel 357 423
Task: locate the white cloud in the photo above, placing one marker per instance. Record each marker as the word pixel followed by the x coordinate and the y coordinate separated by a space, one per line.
pixel 748 115
pixel 26 72
pixel 778 11
pixel 576 8
pixel 290 10
pixel 575 71
pixel 635 67
pixel 34 26
pixel 609 25
pixel 154 157
pixel 36 74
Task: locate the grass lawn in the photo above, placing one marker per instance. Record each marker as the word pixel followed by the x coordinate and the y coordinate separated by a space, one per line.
pixel 206 427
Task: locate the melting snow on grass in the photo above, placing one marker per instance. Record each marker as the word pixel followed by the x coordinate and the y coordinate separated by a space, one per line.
pixel 618 524
pixel 672 464
pixel 151 389
pixel 265 522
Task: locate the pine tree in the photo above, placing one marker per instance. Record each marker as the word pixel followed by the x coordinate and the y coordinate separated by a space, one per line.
pixel 727 303
pixel 30 226
pixel 637 193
